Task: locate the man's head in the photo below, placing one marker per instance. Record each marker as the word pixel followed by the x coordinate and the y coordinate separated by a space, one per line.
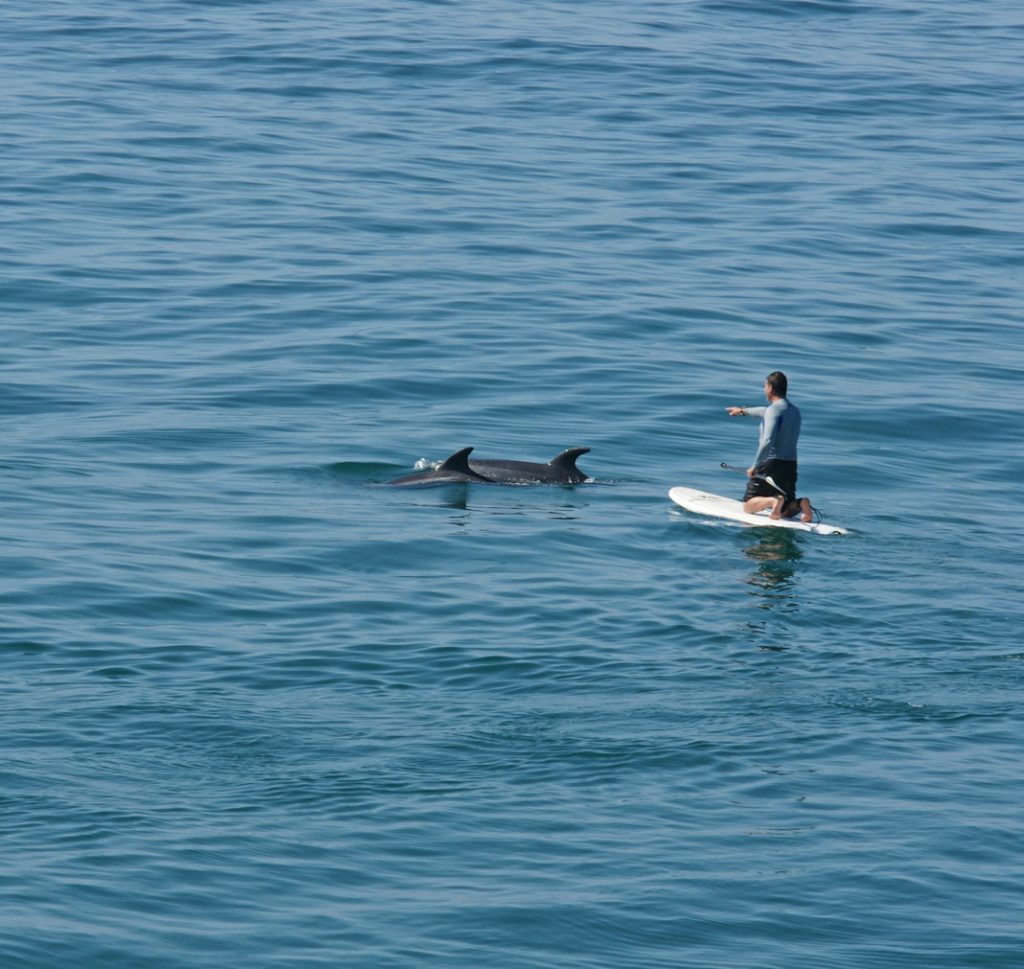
pixel 775 384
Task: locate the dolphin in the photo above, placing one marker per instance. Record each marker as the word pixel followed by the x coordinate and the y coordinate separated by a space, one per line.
pixel 453 470
pixel 458 469
pixel 561 469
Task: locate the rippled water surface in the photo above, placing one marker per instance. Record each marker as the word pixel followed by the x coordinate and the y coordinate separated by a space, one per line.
pixel 262 710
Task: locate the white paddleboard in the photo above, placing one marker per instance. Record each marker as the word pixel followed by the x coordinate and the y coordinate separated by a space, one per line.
pixel 718 507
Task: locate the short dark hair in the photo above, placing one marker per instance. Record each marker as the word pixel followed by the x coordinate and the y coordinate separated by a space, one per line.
pixel 778 383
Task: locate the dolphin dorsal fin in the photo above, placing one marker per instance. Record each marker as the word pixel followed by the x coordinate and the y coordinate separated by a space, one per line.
pixel 567 459
pixel 459 461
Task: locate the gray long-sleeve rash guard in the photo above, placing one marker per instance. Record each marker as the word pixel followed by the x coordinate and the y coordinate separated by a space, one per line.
pixel 780 430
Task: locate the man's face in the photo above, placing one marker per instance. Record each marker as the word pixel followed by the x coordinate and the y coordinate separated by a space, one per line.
pixel 768 390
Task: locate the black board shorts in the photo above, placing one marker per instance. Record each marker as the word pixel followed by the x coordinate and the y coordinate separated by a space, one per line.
pixel 783 473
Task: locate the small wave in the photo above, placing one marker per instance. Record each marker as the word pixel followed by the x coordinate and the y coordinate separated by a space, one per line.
pixel 789 8
pixel 363 470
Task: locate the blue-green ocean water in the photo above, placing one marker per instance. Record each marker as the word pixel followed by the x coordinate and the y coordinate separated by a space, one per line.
pixel 259 710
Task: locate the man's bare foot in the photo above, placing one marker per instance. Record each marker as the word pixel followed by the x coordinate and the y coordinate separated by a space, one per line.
pixel 806 511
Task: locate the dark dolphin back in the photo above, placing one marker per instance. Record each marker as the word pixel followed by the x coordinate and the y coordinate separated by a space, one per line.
pixel 458 468
pixel 452 470
pixel 560 470
pixel 459 462
pixel 566 463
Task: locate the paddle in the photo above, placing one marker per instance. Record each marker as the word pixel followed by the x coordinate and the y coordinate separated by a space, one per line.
pixel 759 477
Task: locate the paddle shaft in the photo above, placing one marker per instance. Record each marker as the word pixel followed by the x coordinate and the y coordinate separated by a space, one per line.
pixel 759 477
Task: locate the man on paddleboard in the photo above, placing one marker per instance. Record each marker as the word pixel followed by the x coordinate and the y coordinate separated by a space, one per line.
pixel 772 476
